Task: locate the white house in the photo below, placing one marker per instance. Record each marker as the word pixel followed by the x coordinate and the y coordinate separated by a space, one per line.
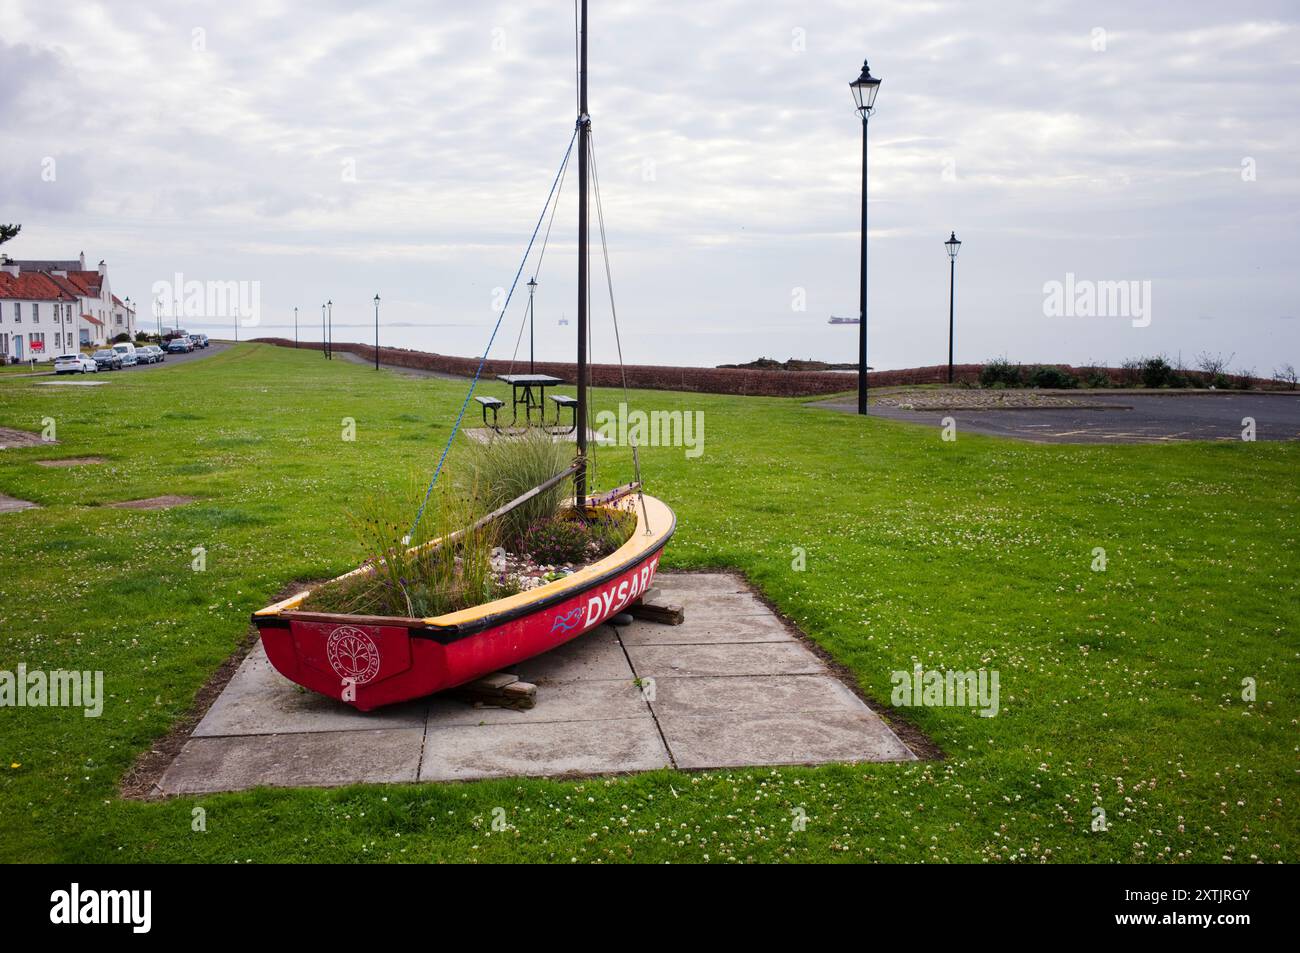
pixel 97 316
pixel 37 316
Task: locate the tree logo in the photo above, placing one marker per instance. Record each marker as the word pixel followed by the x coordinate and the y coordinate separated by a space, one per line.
pixel 353 654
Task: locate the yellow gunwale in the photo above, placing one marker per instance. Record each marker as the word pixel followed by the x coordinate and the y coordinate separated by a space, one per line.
pixel 660 521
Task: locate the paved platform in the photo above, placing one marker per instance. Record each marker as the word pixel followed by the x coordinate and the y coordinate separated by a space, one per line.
pixel 731 687
pixel 1118 418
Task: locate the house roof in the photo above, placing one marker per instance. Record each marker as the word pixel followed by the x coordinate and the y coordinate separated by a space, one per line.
pixel 93 320
pixel 33 286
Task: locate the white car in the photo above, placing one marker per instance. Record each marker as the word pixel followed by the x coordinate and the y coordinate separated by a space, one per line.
pixel 74 364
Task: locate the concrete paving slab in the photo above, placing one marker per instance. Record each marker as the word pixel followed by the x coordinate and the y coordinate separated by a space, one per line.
pixel 730 689
pixel 713 583
pixel 716 605
pixel 595 655
pixel 754 695
pixel 10 504
pixel 737 740
pixel 543 750
pixel 702 628
pixel 321 759
pixel 590 700
pixel 258 700
pixel 761 658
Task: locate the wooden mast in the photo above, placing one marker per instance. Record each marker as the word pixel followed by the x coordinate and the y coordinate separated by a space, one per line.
pixel 584 132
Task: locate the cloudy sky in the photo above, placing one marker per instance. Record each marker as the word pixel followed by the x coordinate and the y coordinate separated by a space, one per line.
pixel 332 151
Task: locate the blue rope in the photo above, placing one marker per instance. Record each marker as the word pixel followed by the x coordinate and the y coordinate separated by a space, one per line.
pixel 483 360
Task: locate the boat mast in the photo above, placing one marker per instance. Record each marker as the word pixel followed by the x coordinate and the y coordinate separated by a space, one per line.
pixel 584 131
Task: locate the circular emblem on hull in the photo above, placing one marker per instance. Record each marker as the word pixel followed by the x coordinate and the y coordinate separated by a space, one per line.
pixel 352 654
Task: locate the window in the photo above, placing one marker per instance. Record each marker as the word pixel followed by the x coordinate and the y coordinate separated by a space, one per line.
pixel 18 312
pixel 36 313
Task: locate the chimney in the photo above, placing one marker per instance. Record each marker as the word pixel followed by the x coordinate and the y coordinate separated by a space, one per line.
pixel 10 267
pixel 83 261
pixel 103 268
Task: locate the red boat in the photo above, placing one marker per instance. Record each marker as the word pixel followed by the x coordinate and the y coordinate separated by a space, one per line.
pixel 369 661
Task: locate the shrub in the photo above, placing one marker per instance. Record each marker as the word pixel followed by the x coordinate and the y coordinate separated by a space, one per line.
pixel 556 540
pixel 1287 376
pixel 1130 372
pixel 1000 372
pixel 1052 377
pixel 1156 372
pixel 496 472
pixel 1096 378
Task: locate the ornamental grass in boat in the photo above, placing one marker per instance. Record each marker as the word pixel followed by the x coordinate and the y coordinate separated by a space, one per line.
pixel 422 577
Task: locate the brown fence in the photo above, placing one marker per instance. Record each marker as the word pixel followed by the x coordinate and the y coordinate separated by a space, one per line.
pixel 714 380
pixel 710 380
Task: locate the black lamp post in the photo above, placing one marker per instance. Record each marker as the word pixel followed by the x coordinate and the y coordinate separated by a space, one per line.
pixel 329 334
pixel 376 332
pixel 532 288
pixel 953 246
pixel 864 89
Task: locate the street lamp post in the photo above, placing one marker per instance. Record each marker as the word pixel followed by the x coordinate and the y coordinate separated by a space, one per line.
pixel 532 287
pixel 329 338
pixel 864 90
pixel 953 246
pixel 376 332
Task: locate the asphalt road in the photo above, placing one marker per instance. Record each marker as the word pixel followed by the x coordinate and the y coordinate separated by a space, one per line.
pixel 1128 418
pixel 172 360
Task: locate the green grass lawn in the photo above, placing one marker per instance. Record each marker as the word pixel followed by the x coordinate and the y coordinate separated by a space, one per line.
pixel 1120 689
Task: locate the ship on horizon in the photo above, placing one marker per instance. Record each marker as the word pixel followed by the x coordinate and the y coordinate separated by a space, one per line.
pixel 836 319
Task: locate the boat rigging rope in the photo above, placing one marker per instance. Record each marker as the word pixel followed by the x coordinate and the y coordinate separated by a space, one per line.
pixel 618 341
pixel 478 371
pixel 541 257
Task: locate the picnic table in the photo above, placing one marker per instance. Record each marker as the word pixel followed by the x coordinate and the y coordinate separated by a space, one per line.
pixel 529 391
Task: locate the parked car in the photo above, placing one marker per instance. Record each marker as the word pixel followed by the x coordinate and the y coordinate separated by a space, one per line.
pixel 143 355
pixel 179 346
pixel 108 359
pixel 200 340
pixel 129 357
pixel 156 354
pixel 74 364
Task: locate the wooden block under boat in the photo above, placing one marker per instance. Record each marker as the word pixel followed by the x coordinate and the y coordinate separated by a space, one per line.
pixel 663 612
pixel 499 690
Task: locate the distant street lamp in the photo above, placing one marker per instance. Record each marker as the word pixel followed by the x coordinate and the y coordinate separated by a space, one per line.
pixel 532 287
pixel 329 338
pixel 864 90
pixel 953 246
pixel 376 332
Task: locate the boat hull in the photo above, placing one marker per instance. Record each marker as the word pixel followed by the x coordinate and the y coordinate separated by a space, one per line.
pixel 372 661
